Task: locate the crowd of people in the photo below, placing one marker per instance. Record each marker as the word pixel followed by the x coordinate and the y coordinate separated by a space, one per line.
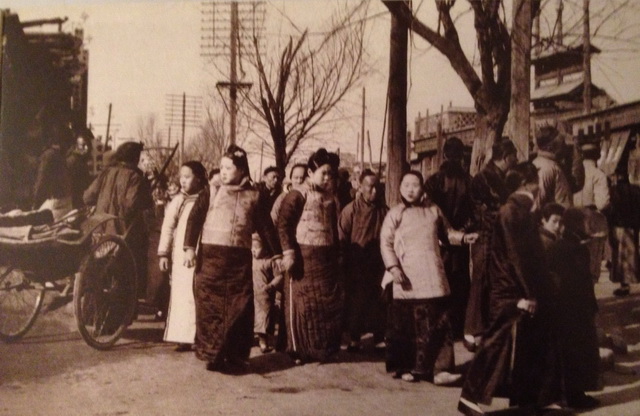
pixel 504 261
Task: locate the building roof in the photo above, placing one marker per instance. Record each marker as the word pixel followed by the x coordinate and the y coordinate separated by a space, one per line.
pixel 560 50
pixel 552 91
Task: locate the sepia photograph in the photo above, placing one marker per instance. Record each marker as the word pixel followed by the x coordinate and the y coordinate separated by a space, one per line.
pixel 320 207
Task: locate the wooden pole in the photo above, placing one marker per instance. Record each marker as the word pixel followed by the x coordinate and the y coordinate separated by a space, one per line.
pixel 397 136
pixel 233 87
pixel 362 129
pixel 586 96
pixel 106 139
pixel 439 139
pixel 519 114
pixel 370 153
pixel 184 107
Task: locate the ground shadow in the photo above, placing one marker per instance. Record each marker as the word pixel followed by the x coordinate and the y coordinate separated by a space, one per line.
pixel 627 395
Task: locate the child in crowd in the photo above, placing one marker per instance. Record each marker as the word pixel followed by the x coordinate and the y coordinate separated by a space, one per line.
pixel 551 227
pixel 576 309
pixel 419 330
pixel 173 189
pixel 181 320
pixel 267 281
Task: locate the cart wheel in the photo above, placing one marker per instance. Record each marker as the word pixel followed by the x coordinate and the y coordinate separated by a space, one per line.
pixel 104 294
pixel 20 303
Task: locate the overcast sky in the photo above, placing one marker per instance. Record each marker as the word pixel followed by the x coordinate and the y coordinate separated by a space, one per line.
pixel 140 51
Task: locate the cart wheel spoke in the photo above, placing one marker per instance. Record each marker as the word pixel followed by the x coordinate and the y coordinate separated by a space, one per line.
pixel 20 303
pixel 107 282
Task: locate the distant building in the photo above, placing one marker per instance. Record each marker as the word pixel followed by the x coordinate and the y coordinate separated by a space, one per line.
pixel 453 121
pixel 43 80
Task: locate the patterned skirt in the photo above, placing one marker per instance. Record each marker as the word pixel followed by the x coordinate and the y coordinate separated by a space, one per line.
pixel 314 299
pixel 419 337
pixel 223 293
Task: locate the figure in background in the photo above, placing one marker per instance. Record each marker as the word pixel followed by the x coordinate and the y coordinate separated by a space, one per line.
pixel 625 226
pixel 355 180
pixel 519 347
pixel 575 311
pixel 52 189
pixel 78 166
pixel 267 282
pixel 181 314
pixel 214 177
pixel 271 185
pixel 359 230
pixel 173 188
pixel 419 335
pixel 122 190
pixel 594 198
pixel 449 189
pixel 343 188
pixel 488 193
pixel 554 184
pixel 296 177
pixel 308 228
pixel 551 224
pixel 222 221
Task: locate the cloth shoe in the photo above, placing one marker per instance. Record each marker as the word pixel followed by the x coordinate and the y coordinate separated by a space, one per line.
pixel 582 401
pixel 445 378
pixel 469 408
pixel 622 291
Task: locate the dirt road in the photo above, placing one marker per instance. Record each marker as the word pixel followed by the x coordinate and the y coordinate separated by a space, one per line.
pixel 53 372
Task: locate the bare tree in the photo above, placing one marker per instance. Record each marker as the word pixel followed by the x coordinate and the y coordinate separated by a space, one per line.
pixel 301 86
pixel 212 140
pixel 491 88
pixel 148 132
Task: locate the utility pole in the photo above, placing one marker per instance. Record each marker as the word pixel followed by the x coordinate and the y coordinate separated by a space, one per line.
pixel 586 96
pixel 261 156
pixel 397 136
pixel 182 111
pixel 362 129
pixel 519 114
pixel 559 35
pixel 233 71
pixel 184 107
pixel 106 139
pixel 370 153
pixel 229 30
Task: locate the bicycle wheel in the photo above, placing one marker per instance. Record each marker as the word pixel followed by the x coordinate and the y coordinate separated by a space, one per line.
pixel 20 303
pixel 105 292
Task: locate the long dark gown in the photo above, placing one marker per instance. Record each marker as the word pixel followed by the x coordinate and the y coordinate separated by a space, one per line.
pixel 518 351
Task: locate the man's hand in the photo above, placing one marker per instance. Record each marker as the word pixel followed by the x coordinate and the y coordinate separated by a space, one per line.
pixel 528 305
pixel 470 238
pixel 163 264
pixel 189 257
pixel 270 289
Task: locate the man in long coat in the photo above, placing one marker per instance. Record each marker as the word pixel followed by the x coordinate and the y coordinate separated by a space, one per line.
pixel 359 230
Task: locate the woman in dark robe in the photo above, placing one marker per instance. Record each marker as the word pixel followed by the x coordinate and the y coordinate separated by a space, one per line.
pixel 221 223
pixel 518 348
pixel 308 228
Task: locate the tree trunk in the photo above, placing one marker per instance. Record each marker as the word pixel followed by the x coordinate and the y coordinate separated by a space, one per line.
pixel 488 129
pixel 397 136
pixel 519 116
pixel 280 152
